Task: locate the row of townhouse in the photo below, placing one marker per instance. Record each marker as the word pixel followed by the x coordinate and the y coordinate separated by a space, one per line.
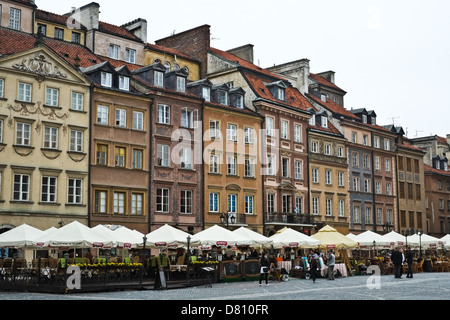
pixel 98 125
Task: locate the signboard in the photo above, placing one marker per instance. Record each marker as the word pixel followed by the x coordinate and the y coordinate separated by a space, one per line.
pixel 161 244
pixel 221 243
pixel 331 246
pixel 97 245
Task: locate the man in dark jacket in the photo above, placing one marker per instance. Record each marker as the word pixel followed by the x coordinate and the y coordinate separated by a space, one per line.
pixel 409 260
pixel 397 260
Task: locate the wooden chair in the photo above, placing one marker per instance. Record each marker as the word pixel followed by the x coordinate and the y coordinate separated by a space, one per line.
pixel 8 265
pixel 420 266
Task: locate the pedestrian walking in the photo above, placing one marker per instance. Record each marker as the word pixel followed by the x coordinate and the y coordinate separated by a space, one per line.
pixel 264 269
pixel 397 260
pixel 330 264
pixel 409 261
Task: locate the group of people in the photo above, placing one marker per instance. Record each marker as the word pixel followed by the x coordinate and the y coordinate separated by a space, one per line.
pixel 268 266
pixel 398 258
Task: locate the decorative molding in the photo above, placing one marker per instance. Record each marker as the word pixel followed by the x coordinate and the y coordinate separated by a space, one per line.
pixel 40 66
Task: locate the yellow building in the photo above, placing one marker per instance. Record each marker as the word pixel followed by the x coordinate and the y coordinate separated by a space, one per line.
pixel 44 136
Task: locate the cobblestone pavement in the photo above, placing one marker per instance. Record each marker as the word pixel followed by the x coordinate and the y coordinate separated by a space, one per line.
pixel 424 286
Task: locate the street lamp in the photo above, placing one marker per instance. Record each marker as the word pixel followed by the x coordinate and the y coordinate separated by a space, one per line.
pixel 226 217
pixel 387 227
pixel 408 232
pixel 374 244
pixel 420 233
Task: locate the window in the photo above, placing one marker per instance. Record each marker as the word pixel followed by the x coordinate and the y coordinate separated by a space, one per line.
pixel 2 88
pixel 158 79
pixel 284 129
pixel 270 203
pixel 51 97
pixel 121 118
pixel 100 204
pixel 366 185
pixel 162 200
pixel 324 122
pixel 120 156
pixel 401 190
pixel 186 158
pixel 48 191
pixel 137 203
pixel 297 133
pixel 223 97
pixel 1 130
pixel 14 18
pixel 366 161
pixel 354 137
pixel 102 114
pixel 355 184
pixel 75 191
pixel 387 165
pixel 376 142
pixel 341 208
pixel 315 175
pixel 138 159
pixel 213 202
pixel 281 94
pixel 42 28
pixel 298 205
pixel 76 37
pixel 59 33
pixel 329 207
pixel 106 79
pixel 269 127
pixel 77 101
pixel 356 215
pixel 188 118
pixel 285 167
pixel 364 118
pixel 327 149
pixel 206 93
pixel 138 120
pixel 24 93
pixel 379 216
pixel 249 168
pixel 124 83
pixel 389 216
pixel 50 137
pixel 232 132
pixel 314 146
pixel 328 178
pixel 341 180
pixel 240 101
pixel 368 215
pixel 130 55
pixel 119 202
pixel 248 135
pixel 386 144
pixel 186 201
pixel 249 205
pixel 315 205
pixel 102 154
pixel 181 84
pixel 340 152
pixel 214 164
pixel 388 189
pixel 214 129
pixel 355 159
pixel 232 165
pixel 163 155
pixel 21 187
pixel 378 187
pixel 377 163
pixel 163 114
pixel 270 167
pixel 232 203
pixel 298 170
pixel 365 139
pixel 114 51
pixel 23 134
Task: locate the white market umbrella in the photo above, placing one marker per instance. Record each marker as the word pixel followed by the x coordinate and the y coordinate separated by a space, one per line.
pixel 446 240
pixel 105 231
pixel 74 235
pixel 293 238
pixel 127 238
pixel 168 236
pixel 400 240
pixel 351 236
pixel 258 238
pixel 330 238
pixel 218 236
pixel 425 241
pixel 20 237
pixel 367 238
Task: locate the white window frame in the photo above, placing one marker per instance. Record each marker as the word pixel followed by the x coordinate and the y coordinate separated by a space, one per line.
pixel 130 55
pixel 163 155
pixel 328 177
pixel 138 120
pixel 15 18
pixel 2 85
pixel 121 118
pixel 249 135
pixel 77 101
pixel 51 137
pixel 124 83
pixel 270 203
pixel 328 207
pixel 232 203
pixel 298 170
pixel 214 202
pixel 315 205
pixel 181 84
pixel 21 189
pixel 270 126
pixel 51 97
pixel 100 201
pixel 341 208
pixel 23 134
pixel 297 133
pixel 106 79
pixel 163 114
pixel 214 129
pixel 249 168
pixel 119 202
pixel 315 175
pixel 137 161
pixel 214 164
pixel 75 191
pixel 102 114
pixel 76 141
pixel 137 203
pixel 158 79
pixel 232 165
pixel 49 187
pixel 114 51
pixel 356 214
pixel 232 132
pixel 24 92
pixel 284 129
pixel 249 204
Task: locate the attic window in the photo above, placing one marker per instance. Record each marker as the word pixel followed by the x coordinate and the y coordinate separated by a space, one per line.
pixel 364 118
pixel 281 94
pixel 223 97
pixel 181 84
pixel 324 122
pixel 323 98
pixel 373 120
pixel 124 83
pixel 106 79
pixel 206 93
pixel 240 101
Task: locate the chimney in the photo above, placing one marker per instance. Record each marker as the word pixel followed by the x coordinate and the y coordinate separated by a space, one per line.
pixel 244 52
pixel 138 27
pixel 89 15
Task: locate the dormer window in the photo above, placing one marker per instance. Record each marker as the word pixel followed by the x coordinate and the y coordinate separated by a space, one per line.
pixel 373 120
pixel 324 122
pixel 281 94
pixel 206 93
pixel 106 79
pixel 312 121
pixel 364 118
pixel 223 97
pixel 124 83
pixel 323 98
pixel 181 84
pixel 158 79
pixel 240 101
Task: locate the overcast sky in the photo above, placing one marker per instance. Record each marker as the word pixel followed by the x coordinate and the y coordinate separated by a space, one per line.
pixel 392 57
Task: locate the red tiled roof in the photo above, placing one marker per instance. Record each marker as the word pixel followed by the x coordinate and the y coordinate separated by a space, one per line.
pixel 333 107
pixel 330 129
pixel 116 30
pixel 442 140
pixel 119 63
pixel 51 17
pixel 321 80
pixel 25 2
pixel 69 51
pixel 407 145
pixel 427 168
pixel 12 41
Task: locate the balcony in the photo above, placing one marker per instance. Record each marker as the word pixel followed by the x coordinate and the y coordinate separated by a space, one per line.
pixel 287 218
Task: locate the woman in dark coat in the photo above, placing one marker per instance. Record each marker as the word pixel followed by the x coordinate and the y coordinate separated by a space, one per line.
pixel 264 268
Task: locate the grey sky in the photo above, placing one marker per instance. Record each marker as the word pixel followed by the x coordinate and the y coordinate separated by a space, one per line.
pixel 390 56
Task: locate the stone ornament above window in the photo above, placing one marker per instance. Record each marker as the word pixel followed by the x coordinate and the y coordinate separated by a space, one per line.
pixel 40 66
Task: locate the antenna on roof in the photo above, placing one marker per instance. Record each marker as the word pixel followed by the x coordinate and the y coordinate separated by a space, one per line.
pixel 393 119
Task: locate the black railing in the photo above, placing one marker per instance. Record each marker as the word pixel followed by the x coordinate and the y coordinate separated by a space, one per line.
pixel 289 218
